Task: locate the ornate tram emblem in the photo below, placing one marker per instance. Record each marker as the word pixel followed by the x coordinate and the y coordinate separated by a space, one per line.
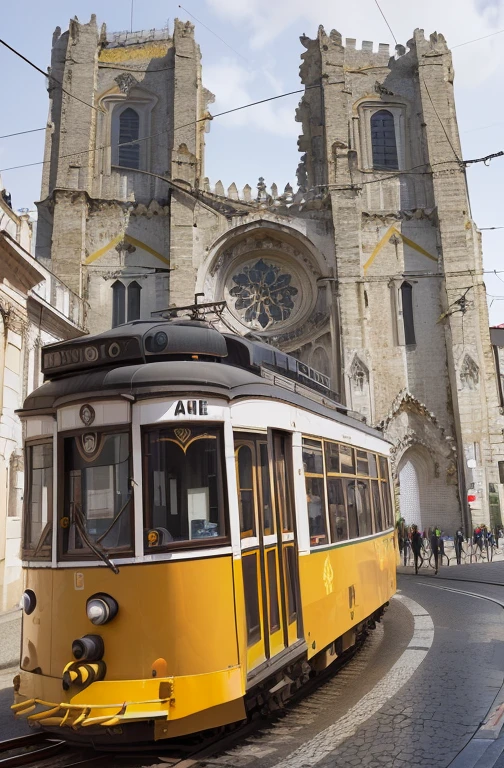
pixel 328 576
pixel 183 434
pixel 89 443
pixel 87 415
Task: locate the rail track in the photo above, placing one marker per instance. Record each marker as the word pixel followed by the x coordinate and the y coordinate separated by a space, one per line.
pixel 48 751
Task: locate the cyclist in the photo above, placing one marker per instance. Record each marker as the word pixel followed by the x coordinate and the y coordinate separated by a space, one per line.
pixel 416 546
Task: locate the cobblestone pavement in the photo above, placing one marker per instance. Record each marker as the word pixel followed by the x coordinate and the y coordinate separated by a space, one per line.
pixel 349 722
pixel 430 719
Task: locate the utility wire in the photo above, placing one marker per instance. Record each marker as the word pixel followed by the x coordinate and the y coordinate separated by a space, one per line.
pixel 440 121
pixel 214 34
pixel 46 74
pixel 166 130
pixel 106 65
pixel 477 39
pixel 21 133
pixel 386 22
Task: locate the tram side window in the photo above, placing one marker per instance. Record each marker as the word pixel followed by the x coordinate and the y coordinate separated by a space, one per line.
pixel 245 463
pixel 37 522
pixel 184 495
pixel 380 522
pixel 98 505
pixel 385 492
pixel 353 524
pixel 364 508
pixel 315 491
pixel 337 510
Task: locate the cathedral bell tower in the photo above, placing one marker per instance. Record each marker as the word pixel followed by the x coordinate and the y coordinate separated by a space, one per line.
pixel 138 113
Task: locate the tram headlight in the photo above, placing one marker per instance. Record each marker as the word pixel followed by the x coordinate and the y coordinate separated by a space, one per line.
pixel 101 608
pixel 160 341
pixel 28 601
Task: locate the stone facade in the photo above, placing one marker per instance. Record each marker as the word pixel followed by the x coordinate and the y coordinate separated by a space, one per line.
pixel 35 309
pixel 370 271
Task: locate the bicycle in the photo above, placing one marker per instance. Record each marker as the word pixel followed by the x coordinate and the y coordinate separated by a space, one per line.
pixel 442 558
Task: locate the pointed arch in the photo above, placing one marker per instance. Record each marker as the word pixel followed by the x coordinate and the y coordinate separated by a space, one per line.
pixel 129 131
pixel 134 301
pixel 118 303
pixel 407 313
pixel 383 140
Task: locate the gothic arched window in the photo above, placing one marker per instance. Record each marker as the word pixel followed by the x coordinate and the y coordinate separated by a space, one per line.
pixel 129 130
pixel 407 310
pixel 133 301
pixel 118 303
pixel 383 140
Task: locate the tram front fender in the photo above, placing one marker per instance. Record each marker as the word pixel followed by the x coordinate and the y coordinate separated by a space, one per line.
pixel 109 703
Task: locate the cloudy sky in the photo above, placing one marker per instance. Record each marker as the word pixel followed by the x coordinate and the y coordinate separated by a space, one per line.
pixel 260 58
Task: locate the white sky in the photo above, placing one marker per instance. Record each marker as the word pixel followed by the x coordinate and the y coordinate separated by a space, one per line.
pixel 261 141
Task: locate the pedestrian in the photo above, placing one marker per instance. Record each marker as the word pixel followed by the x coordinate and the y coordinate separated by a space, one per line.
pixel 459 542
pixel 434 542
pixel 478 537
pixel 416 546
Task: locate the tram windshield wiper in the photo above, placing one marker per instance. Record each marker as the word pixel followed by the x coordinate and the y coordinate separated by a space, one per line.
pixel 80 524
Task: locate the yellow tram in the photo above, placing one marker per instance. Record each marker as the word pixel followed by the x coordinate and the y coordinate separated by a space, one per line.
pixel 203 526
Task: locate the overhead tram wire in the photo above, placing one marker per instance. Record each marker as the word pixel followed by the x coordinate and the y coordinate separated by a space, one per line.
pixel 21 133
pixel 106 65
pixel 386 22
pixel 214 33
pixel 166 130
pixel 50 77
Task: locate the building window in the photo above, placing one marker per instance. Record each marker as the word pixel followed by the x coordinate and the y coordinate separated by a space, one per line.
pixel 129 130
pixel 125 309
pixel 118 303
pixel 407 311
pixel 383 140
pixel 133 301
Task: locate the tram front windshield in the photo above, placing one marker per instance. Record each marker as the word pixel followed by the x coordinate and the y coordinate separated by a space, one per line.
pixel 97 500
pixel 183 486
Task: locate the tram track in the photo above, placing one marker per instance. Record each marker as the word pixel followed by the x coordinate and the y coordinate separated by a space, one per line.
pixel 35 750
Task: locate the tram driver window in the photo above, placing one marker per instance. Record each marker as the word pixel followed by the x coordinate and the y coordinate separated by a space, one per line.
pixel 98 504
pixel 37 518
pixel 184 499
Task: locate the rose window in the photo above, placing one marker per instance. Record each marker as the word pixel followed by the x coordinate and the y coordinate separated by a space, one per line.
pixel 262 293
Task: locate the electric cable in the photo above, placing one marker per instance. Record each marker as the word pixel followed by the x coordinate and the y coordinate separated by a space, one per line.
pixel 165 130
pixel 20 133
pixel 214 34
pixel 386 22
pixel 51 77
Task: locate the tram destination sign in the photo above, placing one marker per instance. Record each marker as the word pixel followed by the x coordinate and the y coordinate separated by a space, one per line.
pixel 62 358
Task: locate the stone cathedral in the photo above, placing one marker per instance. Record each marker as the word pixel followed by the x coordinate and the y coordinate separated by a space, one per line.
pixel 370 270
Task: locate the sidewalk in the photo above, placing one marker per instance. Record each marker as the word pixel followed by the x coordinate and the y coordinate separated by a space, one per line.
pixel 10 638
pixel 487 573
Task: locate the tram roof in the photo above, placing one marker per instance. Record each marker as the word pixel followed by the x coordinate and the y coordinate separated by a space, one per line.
pixel 172 378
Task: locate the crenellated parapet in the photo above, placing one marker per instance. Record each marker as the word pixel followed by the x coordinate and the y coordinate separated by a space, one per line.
pixel 264 197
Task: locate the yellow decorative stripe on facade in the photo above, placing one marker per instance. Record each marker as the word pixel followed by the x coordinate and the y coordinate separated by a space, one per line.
pixel 127 239
pixel 134 52
pixel 386 237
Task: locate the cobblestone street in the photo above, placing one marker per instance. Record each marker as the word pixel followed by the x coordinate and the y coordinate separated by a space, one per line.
pixel 415 695
pixel 439 705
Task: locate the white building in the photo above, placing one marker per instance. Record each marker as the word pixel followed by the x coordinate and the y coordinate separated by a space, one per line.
pixel 35 309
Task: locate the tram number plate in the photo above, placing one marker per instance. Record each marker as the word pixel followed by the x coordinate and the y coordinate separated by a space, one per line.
pixel 191 408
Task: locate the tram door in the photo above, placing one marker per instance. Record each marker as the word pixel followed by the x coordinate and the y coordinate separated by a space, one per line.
pixel 269 559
